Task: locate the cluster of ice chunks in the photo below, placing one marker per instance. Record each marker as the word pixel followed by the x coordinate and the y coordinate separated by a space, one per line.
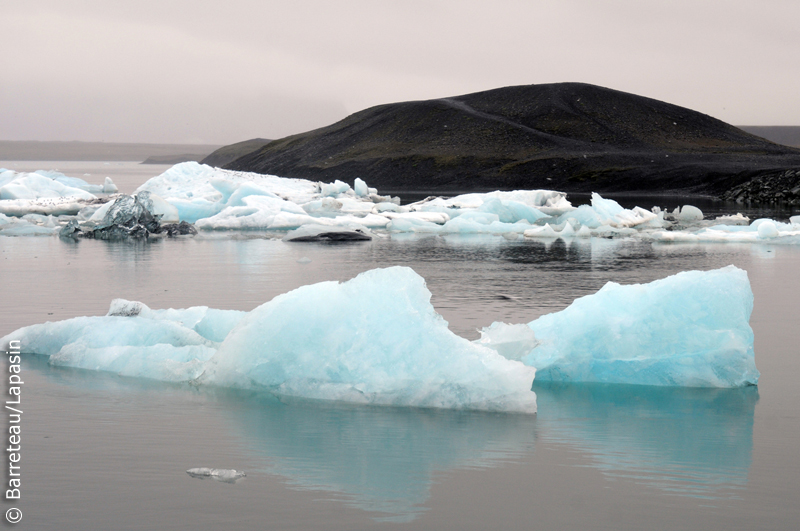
pixel 376 339
pixel 216 199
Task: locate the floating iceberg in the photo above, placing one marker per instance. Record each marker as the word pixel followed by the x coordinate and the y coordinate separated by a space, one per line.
pixel 217 199
pixel 38 185
pixel 44 194
pixel 128 216
pixel 690 329
pixel 317 233
pixel 48 185
pixel 29 225
pixel 760 230
pixel 55 206
pixel 375 339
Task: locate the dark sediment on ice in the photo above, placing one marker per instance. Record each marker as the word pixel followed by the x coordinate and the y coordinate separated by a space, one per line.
pixel 129 216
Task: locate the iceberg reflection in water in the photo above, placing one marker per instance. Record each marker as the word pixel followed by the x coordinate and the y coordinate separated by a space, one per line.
pixel 685 441
pixel 378 459
pixel 386 460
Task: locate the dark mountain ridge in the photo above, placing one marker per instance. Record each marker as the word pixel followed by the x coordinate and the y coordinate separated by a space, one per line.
pixel 567 136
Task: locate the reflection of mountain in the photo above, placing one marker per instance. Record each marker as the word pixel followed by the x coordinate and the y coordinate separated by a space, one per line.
pixel 687 441
pixel 379 459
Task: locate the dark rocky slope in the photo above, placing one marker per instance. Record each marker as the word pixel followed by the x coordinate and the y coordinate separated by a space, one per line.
pixel 566 136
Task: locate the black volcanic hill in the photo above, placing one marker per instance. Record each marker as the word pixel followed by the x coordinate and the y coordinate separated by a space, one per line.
pixel 566 136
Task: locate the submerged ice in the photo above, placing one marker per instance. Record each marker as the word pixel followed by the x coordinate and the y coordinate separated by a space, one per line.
pixel 219 474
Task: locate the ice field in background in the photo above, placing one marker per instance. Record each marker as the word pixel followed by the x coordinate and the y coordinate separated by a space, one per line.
pixel 42 203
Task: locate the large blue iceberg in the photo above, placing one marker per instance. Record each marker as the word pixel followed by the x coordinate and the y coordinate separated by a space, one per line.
pixel 691 329
pixel 375 339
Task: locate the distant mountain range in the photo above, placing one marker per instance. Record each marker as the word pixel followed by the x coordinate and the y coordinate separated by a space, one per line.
pixel 102 151
pixel 565 136
pixel 788 135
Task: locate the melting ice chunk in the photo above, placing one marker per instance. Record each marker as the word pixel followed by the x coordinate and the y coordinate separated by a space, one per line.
pixel 228 476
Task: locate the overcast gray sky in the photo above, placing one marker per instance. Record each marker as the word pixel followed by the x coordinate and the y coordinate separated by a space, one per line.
pixel 188 71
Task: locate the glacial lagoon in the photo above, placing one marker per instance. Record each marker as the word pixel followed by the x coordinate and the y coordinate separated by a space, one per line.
pixel 105 451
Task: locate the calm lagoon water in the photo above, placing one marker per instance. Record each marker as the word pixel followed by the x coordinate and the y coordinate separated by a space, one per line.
pixel 106 452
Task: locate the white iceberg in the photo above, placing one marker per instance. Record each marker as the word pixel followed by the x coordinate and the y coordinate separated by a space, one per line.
pixel 549 202
pixel 216 199
pixel 314 233
pixel 47 193
pixel 691 329
pixel 688 214
pixel 47 184
pixel 760 230
pixel 46 206
pixel 29 225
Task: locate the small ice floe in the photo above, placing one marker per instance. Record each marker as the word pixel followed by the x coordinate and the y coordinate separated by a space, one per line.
pixel 737 220
pixel 321 233
pixel 220 474
pixel 304 260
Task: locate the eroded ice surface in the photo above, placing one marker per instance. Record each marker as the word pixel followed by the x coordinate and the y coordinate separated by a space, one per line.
pixel 375 339
pixel 691 329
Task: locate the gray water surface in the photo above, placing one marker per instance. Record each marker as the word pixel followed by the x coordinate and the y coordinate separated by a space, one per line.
pixel 106 452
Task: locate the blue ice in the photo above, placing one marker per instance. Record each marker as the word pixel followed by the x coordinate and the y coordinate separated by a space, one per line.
pixel 375 339
pixel 691 329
